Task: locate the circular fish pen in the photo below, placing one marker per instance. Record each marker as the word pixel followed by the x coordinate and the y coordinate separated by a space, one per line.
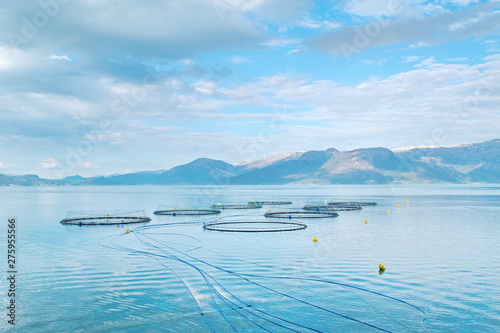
pixel 253 226
pixel 359 203
pixel 301 214
pixel 235 206
pixel 186 212
pixel 345 206
pixel 270 202
pixel 87 219
pixel 315 206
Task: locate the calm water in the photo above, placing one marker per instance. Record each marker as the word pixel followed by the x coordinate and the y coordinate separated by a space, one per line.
pixel 441 251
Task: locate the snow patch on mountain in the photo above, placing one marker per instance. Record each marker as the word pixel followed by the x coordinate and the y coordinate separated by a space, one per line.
pixel 268 160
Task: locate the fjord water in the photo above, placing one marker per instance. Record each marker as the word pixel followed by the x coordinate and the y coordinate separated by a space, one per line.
pixel 441 252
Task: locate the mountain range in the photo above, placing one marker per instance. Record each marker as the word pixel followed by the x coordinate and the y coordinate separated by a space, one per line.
pixel 467 163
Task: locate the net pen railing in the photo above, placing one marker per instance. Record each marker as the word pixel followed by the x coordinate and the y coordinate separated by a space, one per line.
pixel 105 218
pixel 253 226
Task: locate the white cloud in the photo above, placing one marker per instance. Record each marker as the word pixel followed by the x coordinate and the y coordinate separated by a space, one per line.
pixel 460 25
pixel 144 32
pixel 295 51
pixel 426 62
pixel 59 57
pixel 279 12
pixel 89 165
pixel 377 8
pixel 10 58
pixel 411 58
pixel 281 42
pixel 418 45
pixel 457 59
pixel 205 88
pixel 409 105
pixel 325 24
pixel 416 31
pixel 50 163
pixel 3 165
pixel 462 3
pixel 367 8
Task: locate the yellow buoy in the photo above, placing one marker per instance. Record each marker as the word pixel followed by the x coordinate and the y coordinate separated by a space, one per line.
pixel 219 218
pixel 315 239
pixel 399 206
pixel 366 221
pixel 218 204
pixel 107 214
pixel 381 267
pixel 127 230
pixel 407 202
pixel 388 212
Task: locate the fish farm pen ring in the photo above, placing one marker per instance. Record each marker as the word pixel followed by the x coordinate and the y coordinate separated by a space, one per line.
pixel 235 206
pixel 269 202
pixel 316 206
pixel 253 226
pixel 302 214
pixel 358 203
pixel 339 209
pixel 187 212
pixel 81 218
pixel 105 220
pixel 344 206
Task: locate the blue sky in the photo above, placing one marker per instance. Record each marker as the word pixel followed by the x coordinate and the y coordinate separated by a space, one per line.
pixel 104 87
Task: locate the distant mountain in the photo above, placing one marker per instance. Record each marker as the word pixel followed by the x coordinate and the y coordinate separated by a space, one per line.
pixel 477 162
pixel 295 168
pixel 468 163
pixel 29 180
pixel 199 171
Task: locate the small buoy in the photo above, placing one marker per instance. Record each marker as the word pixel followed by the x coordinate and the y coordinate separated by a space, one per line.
pixel 326 201
pixel 381 267
pixel 399 206
pixel 407 202
pixel 127 230
pixel 315 239
pixel 366 221
pixel 219 217
pixel 174 208
pixel 388 212
pixel 107 214
pixel 218 204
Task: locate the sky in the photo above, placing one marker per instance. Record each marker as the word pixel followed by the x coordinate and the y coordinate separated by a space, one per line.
pixel 90 87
